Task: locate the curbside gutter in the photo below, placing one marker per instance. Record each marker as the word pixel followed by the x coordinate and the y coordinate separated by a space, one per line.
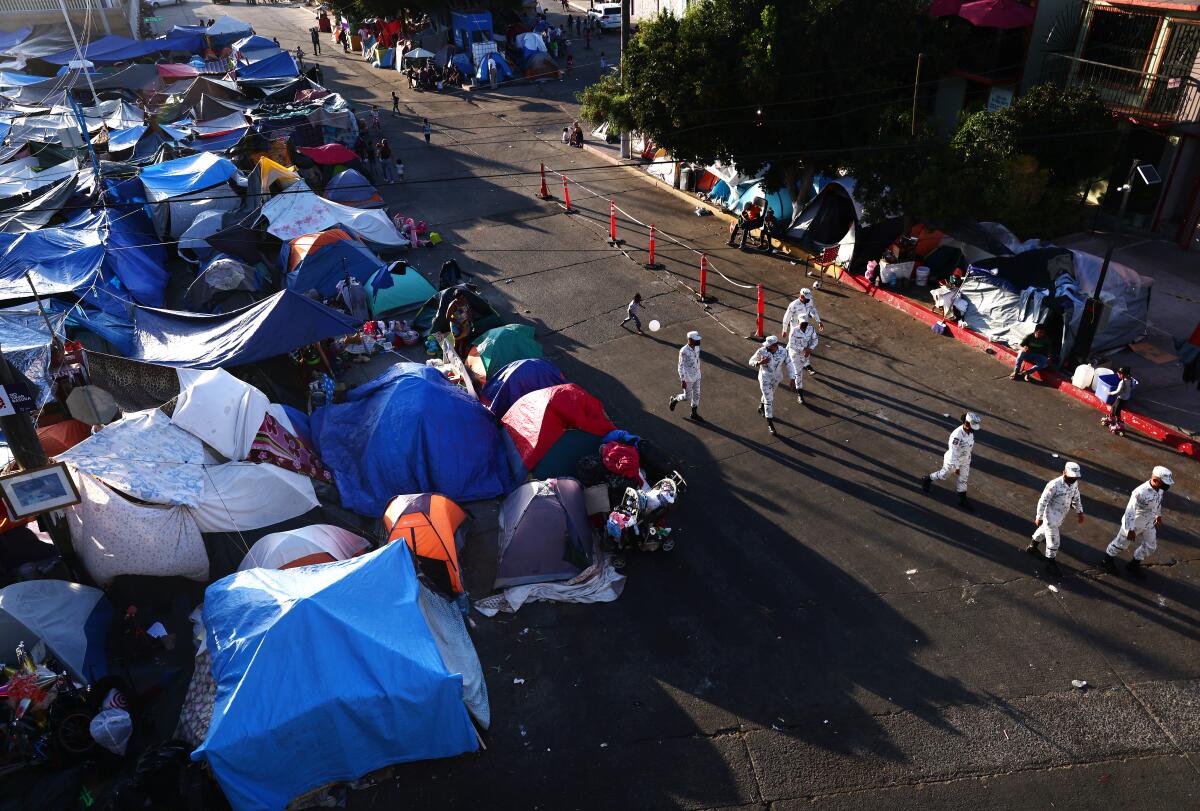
pixel 1172 437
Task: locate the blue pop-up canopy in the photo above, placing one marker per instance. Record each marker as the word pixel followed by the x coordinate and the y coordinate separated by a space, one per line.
pixel 272 327
pixel 323 674
pixel 410 431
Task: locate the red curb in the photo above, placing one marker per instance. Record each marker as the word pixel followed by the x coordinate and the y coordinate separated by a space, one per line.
pixel 1154 429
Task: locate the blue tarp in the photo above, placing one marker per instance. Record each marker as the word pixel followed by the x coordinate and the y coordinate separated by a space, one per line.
pixel 272 327
pixel 114 48
pixel 322 269
pixel 104 259
pixel 323 674
pixel 410 431
pixel 10 38
pixel 184 175
pixel 471 21
pixel 280 66
pixel 254 43
pixel 10 79
pixel 26 342
pixel 779 201
pixel 219 143
pixel 518 378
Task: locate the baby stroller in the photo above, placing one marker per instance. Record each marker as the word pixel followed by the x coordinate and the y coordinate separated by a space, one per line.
pixel 638 522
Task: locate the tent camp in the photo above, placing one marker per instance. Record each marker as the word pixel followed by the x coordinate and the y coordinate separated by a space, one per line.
pixel 410 431
pixel 544 533
pixel 275 326
pixel 434 527
pixel 328 722
pixel 517 379
pixel 178 190
pixel 305 546
pixel 552 428
pixel 70 620
pixel 500 346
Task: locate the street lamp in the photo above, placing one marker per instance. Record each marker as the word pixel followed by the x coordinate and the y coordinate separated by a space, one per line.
pixel 1093 308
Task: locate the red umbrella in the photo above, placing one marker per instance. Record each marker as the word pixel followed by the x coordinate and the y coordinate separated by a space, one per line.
pixel 945 8
pixel 997 14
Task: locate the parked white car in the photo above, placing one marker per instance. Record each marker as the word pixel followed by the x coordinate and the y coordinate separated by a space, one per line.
pixel 607 16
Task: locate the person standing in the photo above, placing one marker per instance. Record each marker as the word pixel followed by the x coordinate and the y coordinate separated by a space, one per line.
pixel 1121 395
pixel 1059 496
pixel 689 376
pixel 399 169
pixel 957 458
pixel 803 305
pixel 372 160
pixel 395 104
pixel 631 312
pixel 376 124
pixel 603 63
pixel 315 36
pixel 426 130
pixel 772 364
pixel 801 341
pixel 1142 518
pixel 387 162
pixel 458 315
pixel 300 58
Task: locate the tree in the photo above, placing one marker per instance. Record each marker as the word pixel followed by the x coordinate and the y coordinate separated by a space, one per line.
pixel 787 86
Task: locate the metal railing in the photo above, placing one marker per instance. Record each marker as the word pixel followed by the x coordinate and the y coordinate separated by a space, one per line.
pixel 1148 97
pixel 52 6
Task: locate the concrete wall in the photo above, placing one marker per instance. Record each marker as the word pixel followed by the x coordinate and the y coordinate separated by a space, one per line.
pixel 16 14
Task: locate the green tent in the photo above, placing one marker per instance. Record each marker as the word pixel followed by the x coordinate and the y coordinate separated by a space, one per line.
pixel 408 291
pixel 500 346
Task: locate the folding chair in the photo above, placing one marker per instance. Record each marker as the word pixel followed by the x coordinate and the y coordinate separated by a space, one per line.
pixel 824 261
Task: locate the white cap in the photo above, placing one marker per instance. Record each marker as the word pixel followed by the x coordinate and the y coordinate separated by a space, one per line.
pixel 1162 474
pixel 771 341
pixel 973 419
pixel 1073 470
pixel 693 336
pixel 806 292
pixel 111 729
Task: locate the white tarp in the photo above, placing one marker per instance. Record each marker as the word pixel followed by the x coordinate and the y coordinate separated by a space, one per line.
pixel 453 642
pixel 298 211
pixel 144 456
pixel 116 114
pixel 114 536
pixel 240 496
pixel 60 128
pixel 228 25
pixel 598 583
pixel 222 411
pixel 233 121
pixel 26 179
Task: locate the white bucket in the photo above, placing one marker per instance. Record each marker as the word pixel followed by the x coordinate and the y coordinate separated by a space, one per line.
pixel 1084 375
pixel 887 275
pixel 922 276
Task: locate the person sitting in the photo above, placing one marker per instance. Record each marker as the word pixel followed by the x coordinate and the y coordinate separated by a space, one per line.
pixel 771 228
pixel 1035 350
pixel 751 218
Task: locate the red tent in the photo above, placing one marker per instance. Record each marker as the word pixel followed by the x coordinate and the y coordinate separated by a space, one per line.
pixel 539 419
pixel 328 155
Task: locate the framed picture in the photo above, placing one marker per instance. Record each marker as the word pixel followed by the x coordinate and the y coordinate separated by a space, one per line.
pixel 30 492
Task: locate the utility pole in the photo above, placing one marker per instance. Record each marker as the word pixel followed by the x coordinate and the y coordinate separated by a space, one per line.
pixel 625 32
pixel 916 85
pixel 62 4
pixel 27 450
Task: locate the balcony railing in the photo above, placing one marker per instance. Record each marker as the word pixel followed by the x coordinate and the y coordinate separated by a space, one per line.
pixel 1148 98
pixel 52 6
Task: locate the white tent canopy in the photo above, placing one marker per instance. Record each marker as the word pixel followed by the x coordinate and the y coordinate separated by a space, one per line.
pixel 281 550
pixel 228 25
pixel 299 211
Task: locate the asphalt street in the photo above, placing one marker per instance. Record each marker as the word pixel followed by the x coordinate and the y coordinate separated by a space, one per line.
pixel 824 634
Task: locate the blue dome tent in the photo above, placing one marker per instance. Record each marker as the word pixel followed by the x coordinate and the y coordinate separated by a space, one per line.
pixel 518 378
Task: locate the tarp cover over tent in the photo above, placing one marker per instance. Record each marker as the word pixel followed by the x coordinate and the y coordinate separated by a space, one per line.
pixel 500 346
pixel 281 65
pixel 323 268
pixel 71 620
pixel 328 722
pixel 410 431
pixel 433 527
pixel 517 379
pixel 272 327
pixel 540 419
pixel 26 341
pixel 544 533
pixel 299 211
pixel 178 190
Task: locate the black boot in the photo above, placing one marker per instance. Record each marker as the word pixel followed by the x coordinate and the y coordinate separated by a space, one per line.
pixel 1052 568
pixel 672 403
pixel 926 483
pixel 696 415
pixel 966 505
pixel 1033 549
pixel 771 427
pixel 760 409
pixel 1135 568
pixel 1108 564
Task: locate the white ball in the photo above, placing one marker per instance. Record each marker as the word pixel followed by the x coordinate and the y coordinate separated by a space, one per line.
pixel 817 284
pixel 655 326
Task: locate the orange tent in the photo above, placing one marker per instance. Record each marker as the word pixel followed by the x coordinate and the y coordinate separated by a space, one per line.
pixel 302 246
pixel 430 525
pixel 62 436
